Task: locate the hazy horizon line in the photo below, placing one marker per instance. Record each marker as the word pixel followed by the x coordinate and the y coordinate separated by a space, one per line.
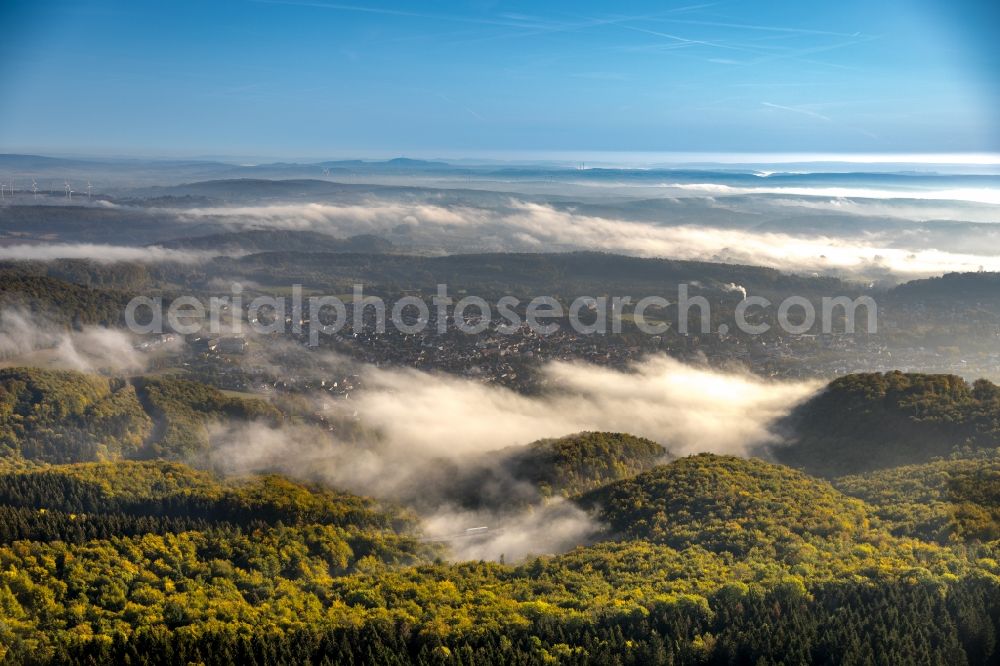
pixel 574 158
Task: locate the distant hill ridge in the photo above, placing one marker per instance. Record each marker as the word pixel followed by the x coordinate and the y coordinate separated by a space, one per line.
pixel 980 286
pixel 280 240
pixel 864 422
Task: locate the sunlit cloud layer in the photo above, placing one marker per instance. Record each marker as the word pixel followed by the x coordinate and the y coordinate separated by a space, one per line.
pixel 31 339
pixel 415 422
pixel 984 195
pixel 100 253
pixel 539 227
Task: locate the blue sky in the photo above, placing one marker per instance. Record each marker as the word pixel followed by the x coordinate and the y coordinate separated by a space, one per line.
pixel 310 78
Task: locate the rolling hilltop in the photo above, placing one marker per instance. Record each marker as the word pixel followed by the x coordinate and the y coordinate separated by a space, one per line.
pixel 866 422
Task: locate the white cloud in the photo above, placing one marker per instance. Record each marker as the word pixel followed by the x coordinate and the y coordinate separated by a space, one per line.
pixel 31 339
pixel 552 527
pixel 899 209
pixel 100 253
pixel 983 195
pixel 371 217
pixel 525 226
pixel 414 417
pixel 863 255
pixel 687 409
pixel 415 424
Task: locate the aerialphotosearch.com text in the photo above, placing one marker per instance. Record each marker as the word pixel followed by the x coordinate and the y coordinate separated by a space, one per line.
pixel 318 316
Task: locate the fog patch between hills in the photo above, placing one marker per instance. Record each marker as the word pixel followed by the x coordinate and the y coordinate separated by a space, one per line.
pixel 100 253
pixel 31 339
pixel 525 226
pixel 422 435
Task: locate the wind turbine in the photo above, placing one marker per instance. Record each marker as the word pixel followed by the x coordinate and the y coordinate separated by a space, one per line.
pixel 69 191
pixel 88 190
pixel 34 188
pixel 326 171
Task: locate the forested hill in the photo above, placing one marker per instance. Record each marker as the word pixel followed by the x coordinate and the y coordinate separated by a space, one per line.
pixel 713 560
pixel 68 416
pixel 517 476
pixel 172 491
pixel 576 463
pixel 61 301
pixel 727 504
pixel 872 421
pixel 954 500
pixel 951 288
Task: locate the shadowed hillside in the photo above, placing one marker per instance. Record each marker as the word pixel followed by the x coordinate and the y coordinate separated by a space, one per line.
pixel 872 421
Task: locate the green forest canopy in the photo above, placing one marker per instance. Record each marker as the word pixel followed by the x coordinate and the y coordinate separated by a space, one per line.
pixel 110 553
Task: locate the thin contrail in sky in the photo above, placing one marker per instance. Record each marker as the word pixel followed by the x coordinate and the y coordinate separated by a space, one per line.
pixel 792 109
pixel 769 28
